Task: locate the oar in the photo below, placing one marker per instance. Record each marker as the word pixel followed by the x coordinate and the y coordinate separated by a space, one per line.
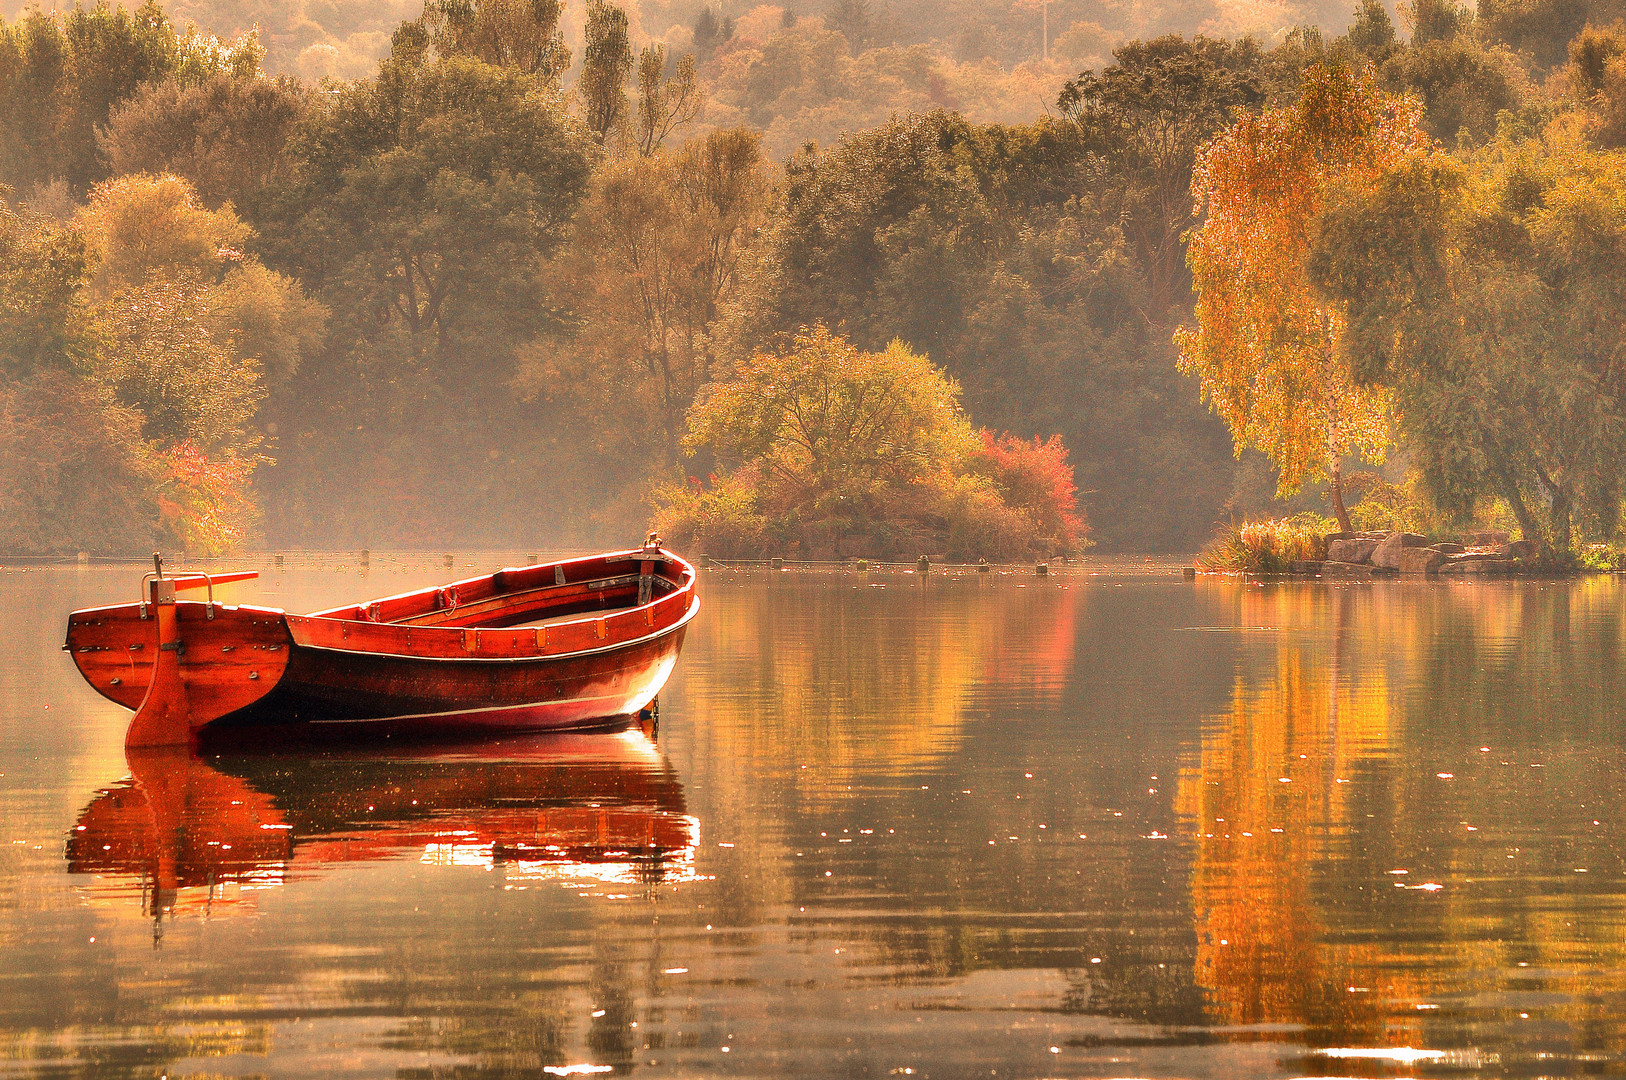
pixel 198 581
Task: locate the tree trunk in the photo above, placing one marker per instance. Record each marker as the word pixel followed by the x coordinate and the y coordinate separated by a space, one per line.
pixel 1558 520
pixel 1336 484
pixel 1509 488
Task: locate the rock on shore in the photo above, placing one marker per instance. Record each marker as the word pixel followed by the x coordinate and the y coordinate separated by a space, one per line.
pixel 1368 554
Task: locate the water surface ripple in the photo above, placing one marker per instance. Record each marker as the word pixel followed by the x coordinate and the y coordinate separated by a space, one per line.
pixel 1104 823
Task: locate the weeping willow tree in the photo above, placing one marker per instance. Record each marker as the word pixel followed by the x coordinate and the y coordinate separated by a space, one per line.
pixel 1266 345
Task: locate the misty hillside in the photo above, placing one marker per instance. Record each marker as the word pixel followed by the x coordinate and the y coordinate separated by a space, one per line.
pixel 986 60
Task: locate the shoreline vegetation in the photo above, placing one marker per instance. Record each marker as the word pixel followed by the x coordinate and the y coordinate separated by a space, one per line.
pixel 1301 547
pixel 541 275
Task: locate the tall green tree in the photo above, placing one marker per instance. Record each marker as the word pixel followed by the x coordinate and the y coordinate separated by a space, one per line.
pixel 1143 119
pixel 606 63
pixel 1493 299
pixel 226 135
pixel 974 244
pixel 62 75
pixel 654 259
pixel 428 198
pixel 422 206
pixel 665 104
pixel 522 34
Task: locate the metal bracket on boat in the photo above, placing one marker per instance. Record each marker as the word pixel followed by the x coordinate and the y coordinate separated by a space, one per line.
pixel 651 551
pixel 165 588
pixel 209 612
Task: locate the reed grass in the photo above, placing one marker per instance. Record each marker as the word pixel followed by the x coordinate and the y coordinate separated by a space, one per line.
pixel 1266 547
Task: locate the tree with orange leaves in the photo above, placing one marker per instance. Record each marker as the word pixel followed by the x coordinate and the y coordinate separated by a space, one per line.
pixel 1266 347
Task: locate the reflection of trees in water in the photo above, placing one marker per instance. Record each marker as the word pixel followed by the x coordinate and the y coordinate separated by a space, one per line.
pixel 1269 803
pixel 1361 700
pixel 870 685
pixel 824 706
pixel 836 714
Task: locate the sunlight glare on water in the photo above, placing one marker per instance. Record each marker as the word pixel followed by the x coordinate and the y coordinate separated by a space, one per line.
pixel 1106 823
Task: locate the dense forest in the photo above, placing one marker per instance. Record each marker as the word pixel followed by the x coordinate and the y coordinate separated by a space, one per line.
pixel 867 279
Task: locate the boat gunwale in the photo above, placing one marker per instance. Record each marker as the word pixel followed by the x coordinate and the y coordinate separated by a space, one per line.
pixel 625 643
pixel 684 582
pixel 681 588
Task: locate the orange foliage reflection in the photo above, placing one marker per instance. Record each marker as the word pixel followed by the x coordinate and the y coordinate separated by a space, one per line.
pixel 1267 803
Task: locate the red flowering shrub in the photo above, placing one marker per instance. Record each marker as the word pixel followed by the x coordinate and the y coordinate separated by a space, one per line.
pixel 203 504
pixel 1036 478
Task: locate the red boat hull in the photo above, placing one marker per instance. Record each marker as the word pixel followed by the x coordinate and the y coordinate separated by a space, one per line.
pixel 604 636
pixel 331 687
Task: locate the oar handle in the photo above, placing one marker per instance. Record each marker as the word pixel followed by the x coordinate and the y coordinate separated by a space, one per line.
pixel 198 581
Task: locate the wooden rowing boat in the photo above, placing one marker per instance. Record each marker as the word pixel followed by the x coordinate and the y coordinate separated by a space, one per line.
pixel 562 645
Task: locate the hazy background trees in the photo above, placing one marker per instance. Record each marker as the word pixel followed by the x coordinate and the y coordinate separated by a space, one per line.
pixel 480 284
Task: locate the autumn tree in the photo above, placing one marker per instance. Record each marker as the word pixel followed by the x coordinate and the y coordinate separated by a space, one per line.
pixel 830 423
pixel 1034 477
pixel 664 103
pixel 191 324
pixel 606 63
pixel 143 229
pixel 75 472
pixel 141 225
pixel 832 441
pixel 184 381
pixel 830 450
pixel 655 256
pixel 1491 299
pixel 1265 347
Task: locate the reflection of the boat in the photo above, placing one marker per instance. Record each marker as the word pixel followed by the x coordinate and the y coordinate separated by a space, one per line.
pixel 191 833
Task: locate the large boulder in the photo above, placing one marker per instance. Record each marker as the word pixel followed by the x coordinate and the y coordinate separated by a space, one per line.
pixel 1420 560
pixel 1387 554
pixel 1352 550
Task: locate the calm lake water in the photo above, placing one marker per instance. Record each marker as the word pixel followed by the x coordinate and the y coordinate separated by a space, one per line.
pixel 1098 824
